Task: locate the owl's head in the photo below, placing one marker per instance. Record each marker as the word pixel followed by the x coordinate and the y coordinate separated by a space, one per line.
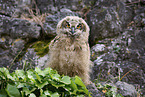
pixel 73 26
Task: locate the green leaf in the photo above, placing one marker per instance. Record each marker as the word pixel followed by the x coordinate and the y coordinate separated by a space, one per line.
pixel 45 72
pixel 13 75
pixel 20 85
pixel 43 95
pixel 41 85
pixel 50 71
pixel 73 85
pixel 27 91
pixel 4 71
pixel 3 93
pixel 66 80
pixel 31 76
pixel 40 72
pixel 114 90
pixel 10 76
pixel 57 84
pixel 32 95
pixel 41 92
pixel 38 77
pixel 80 96
pixel 56 77
pixel 12 91
pixel 55 94
pixel 47 92
pixel 20 74
pixel 67 88
pixel 79 81
pixel 119 95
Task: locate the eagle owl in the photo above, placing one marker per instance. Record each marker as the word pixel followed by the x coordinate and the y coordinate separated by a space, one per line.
pixel 69 50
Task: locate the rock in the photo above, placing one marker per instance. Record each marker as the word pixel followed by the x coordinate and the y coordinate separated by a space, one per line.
pixel 108 19
pixel 139 19
pixel 53 6
pixel 98 48
pixel 135 76
pixel 7 7
pixel 42 61
pixel 46 6
pixel 32 60
pixel 127 90
pixel 52 20
pixel 18 28
pixel 14 8
pixel 122 57
pixel 95 92
pixel 74 5
pixel 10 52
pixel 106 70
pixel 15 33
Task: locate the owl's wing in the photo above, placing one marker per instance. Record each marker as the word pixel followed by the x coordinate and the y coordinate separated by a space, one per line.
pixel 53 42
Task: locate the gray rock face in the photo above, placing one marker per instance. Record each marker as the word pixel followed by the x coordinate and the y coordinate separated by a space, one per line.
pixel 46 6
pixel 120 56
pixel 32 60
pixel 95 92
pixel 108 19
pixel 53 6
pixel 14 8
pixel 10 49
pixel 15 34
pixel 18 28
pixel 7 7
pixel 126 89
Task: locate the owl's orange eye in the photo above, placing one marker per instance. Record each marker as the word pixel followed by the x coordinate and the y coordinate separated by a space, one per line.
pixel 68 26
pixel 79 26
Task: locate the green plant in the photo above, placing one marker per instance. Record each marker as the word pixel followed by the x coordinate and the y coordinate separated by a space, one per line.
pixel 108 89
pixel 40 83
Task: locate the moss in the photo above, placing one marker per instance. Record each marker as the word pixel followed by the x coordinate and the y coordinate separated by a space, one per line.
pixel 41 47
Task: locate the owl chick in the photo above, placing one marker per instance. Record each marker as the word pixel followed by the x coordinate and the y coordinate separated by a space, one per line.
pixel 69 50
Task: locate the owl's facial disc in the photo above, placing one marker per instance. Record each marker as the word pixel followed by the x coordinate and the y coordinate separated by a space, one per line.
pixel 73 27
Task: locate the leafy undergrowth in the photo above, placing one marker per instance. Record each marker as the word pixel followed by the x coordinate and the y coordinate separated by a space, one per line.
pixel 108 89
pixel 40 83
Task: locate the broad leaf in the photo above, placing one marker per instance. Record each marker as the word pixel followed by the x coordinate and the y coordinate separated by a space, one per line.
pixel 3 93
pixel 20 74
pixel 32 95
pixel 12 91
pixel 79 81
pixel 56 77
pixel 66 80
pixel 55 95
pixel 41 84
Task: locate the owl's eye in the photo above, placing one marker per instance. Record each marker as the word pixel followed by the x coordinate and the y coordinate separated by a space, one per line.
pixel 79 26
pixel 67 25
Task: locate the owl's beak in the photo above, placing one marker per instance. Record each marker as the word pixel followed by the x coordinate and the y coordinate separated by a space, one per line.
pixel 72 30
